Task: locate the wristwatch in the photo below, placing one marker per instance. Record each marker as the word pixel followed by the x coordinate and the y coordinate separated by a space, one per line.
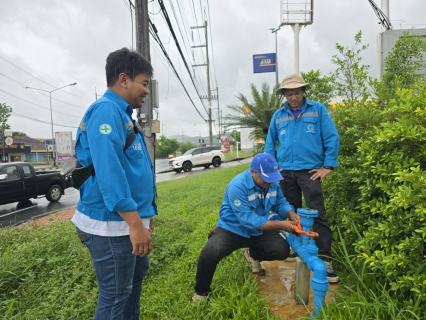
pixel 329 168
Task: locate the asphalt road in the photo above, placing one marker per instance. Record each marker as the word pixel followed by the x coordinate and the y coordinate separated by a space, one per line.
pixel 16 213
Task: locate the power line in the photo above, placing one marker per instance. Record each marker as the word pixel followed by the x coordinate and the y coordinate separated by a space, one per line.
pixel 38 104
pixel 158 40
pixel 18 115
pixel 154 34
pixel 166 16
pixel 42 92
pixel 199 79
pixel 41 79
pixel 211 41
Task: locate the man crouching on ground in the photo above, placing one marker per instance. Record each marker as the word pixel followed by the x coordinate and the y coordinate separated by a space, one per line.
pixel 243 223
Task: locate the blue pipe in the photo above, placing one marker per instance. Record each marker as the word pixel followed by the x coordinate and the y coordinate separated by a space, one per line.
pixel 305 247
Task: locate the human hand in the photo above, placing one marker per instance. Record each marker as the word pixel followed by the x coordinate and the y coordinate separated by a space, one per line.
pixel 293 216
pixel 288 226
pixel 319 173
pixel 140 238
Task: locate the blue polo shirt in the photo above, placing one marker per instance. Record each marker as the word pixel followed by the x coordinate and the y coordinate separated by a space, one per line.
pixel 246 206
pixel 309 141
pixel 123 181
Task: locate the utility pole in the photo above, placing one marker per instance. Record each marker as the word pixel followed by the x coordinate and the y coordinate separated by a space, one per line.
pixel 143 47
pixel 275 30
pixel 218 110
pixel 385 10
pixel 209 103
pixel 2 135
pixel 297 15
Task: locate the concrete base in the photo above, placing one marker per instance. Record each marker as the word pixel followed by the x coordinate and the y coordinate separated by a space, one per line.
pixel 278 288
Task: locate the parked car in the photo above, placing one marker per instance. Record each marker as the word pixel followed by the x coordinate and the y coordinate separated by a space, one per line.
pixel 198 157
pixel 19 181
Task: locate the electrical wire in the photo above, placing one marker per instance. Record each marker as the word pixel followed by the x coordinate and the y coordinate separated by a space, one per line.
pixel 41 80
pixel 155 36
pixel 39 105
pixel 166 16
pixel 186 45
pixel 43 94
pixel 158 40
pixel 211 41
pixel 18 115
pixel 199 80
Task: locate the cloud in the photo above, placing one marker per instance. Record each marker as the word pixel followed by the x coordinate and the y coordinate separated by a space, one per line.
pixel 60 42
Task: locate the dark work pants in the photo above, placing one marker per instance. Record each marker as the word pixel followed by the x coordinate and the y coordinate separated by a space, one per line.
pixel 221 243
pixel 294 184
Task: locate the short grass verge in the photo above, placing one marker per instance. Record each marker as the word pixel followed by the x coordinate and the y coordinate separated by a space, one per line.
pixel 46 273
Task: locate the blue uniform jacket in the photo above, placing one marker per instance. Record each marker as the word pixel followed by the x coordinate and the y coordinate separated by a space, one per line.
pixel 310 141
pixel 123 181
pixel 246 206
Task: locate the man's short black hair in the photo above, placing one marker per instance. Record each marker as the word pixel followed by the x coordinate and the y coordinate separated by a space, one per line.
pixel 131 63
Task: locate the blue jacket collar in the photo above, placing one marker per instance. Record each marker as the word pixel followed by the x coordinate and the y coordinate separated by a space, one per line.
pixel 119 101
pixel 250 181
pixel 305 104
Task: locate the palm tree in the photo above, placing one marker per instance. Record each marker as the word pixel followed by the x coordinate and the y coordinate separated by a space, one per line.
pixel 256 114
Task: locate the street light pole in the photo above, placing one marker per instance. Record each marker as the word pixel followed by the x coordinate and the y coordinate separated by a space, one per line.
pixel 51 111
pixel 273 30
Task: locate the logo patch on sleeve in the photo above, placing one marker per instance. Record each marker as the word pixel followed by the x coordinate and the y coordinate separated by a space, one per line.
pixel 237 202
pixel 105 128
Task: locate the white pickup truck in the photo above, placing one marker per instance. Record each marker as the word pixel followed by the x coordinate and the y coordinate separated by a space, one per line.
pixel 197 157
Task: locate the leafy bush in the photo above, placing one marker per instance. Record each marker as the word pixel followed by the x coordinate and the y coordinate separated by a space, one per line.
pixel 392 193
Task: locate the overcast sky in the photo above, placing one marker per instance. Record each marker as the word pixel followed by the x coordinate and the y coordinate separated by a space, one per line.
pixel 48 44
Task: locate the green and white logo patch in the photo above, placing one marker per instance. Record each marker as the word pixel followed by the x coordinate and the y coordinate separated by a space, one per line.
pixel 237 202
pixel 105 128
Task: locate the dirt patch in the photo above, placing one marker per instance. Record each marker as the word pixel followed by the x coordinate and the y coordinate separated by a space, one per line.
pixel 59 216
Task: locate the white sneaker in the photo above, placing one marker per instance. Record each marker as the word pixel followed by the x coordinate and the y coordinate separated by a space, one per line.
pixel 254 265
pixel 331 274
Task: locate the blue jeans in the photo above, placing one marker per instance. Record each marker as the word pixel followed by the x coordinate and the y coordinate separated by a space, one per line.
pixel 119 274
pixel 221 243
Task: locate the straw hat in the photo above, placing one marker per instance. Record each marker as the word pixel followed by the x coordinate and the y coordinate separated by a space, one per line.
pixel 292 81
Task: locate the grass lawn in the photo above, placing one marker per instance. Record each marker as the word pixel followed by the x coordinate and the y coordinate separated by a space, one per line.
pixel 46 273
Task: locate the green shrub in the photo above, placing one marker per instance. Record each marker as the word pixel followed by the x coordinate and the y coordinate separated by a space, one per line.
pixel 392 193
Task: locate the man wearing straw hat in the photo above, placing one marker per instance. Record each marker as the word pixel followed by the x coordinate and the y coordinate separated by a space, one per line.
pixel 307 148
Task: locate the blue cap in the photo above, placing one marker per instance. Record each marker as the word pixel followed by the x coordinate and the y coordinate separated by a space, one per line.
pixel 267 167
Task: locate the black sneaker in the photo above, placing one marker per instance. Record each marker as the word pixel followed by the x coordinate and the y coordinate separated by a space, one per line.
pixel 331 274
pixel 292 255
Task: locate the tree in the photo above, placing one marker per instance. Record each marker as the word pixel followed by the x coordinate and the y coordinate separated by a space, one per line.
pixel 351 76
pixel 322 88
pixel 183 147
pixel 5 112
pixel 165 147
pixel 401 67
pixel 19 134
pixel 256 114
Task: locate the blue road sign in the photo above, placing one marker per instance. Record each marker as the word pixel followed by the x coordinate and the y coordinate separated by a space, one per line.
pixel 264 62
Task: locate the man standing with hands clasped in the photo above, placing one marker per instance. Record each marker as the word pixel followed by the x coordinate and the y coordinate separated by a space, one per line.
pixel 308 146
pixel 114 217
